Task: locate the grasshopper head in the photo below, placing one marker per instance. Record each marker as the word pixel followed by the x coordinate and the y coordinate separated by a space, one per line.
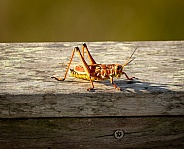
pixel 118 70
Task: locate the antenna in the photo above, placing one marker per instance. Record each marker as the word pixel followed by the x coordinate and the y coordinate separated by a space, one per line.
pixel 129 59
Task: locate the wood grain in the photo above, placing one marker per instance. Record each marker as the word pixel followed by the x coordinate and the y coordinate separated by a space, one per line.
pixel 27 90
pixel 90 104
pixel 51 133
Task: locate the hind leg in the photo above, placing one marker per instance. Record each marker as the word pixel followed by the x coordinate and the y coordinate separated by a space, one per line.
pixel 84 47
pixel 62 79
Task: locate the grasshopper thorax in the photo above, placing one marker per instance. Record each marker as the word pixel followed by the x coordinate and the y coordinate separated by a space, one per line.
pixel 109 70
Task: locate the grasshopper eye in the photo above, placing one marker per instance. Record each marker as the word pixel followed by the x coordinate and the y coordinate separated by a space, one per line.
pixel 119 67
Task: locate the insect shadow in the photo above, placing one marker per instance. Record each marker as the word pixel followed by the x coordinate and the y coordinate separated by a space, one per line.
pixel 137 85
pixel 129 86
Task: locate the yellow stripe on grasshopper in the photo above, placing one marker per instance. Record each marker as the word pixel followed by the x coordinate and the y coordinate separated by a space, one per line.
pixel 75 74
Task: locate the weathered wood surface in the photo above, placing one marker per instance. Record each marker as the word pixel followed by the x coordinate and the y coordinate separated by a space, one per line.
pixel 26 89
pixel 98 133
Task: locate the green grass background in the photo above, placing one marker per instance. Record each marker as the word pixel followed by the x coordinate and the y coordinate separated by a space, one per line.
pixel 91 20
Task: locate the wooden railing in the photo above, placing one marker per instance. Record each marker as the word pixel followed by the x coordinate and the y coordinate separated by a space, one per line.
pixel 37 111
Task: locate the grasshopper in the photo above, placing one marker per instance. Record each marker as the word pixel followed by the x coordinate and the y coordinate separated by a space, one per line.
pixel 95 71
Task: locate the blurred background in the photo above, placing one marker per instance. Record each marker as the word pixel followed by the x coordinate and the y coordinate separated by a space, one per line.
pixel 91 20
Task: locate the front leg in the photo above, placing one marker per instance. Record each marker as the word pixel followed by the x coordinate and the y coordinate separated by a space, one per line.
pixel 116 87
pixel 128 76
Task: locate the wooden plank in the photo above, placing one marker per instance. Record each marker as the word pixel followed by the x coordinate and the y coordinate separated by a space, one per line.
pixel 26 89
pixel 71 105
pixel 50 133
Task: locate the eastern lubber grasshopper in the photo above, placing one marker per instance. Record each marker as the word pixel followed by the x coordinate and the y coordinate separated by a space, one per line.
pixel 94 71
